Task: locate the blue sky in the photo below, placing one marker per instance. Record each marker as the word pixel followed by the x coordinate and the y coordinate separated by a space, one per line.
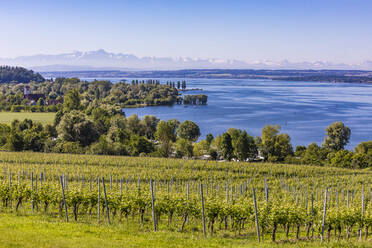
pixel 327 30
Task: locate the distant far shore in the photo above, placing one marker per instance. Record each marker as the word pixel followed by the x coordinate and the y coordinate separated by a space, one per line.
pixel 344 76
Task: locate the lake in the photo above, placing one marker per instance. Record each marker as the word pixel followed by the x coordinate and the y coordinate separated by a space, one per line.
pixel 302 109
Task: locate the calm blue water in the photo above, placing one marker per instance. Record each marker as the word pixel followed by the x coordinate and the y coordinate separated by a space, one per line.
pixel 302 109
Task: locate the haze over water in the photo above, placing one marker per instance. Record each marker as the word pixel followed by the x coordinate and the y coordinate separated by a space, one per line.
pixel 302 109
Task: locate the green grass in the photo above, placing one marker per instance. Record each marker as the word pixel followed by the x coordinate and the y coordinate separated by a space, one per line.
pixel 44 231
pixel 44 118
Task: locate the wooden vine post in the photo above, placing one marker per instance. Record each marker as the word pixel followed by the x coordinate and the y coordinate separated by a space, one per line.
pixel 324 213
pixel 64 198
pixel 98 199
pixel 256 215
pixel 106 202
pixel 32 191
pixel 361 231
pixel 153 204
pixel 203 213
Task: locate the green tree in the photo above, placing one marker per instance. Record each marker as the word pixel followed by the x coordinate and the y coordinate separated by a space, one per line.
pixel 139 144
pixel 361 160
pixel 33 140
pixel 282 147
pixel 165 134
pixel 300 151
pixel 14 141
pixel 235 134
pixel 134 124
pixel 226 147
pixel 101 118
pixel 245 147
pixel 188 130
pixel 174 123
pixel 149 123
pixel 338 135
pixel 313 155
pixel 201 148
pixel 4 133
pixel 71 100
pixel 364 147
pixel 274 146
pixel 58 117
pixel 183 148
pixel 103 147
pixel 77 127
pixel 50 131
pixel 342 158
pixel 209 138
pixel 268 139
pixel 118 131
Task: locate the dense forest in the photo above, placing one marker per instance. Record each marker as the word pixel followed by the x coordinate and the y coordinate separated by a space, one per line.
pixel 10 74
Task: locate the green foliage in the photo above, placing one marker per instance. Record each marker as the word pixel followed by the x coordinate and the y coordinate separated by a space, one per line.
pixel 209 138
pixel 134 124
pixel 195 99
pixel 10 74
pixel 313 155
pixel 226 147
pixel 85 95
pixel 342 158
pixel 139 144
pixel 294 204
pixel 364 147
pixel 77 127
pixel 300 151
pixel 149 124
pixel 105 147
pixel 101 130
pixel 275 147
pixel 361 160
pixel 101 118
pixel 188 130
pixel 26 135
pixel 338 135
pixel 4 133
pixel 72 101
pixel 183 148
pixel 14 141
pixel 68 147
pixel 164 132
pixel 245 147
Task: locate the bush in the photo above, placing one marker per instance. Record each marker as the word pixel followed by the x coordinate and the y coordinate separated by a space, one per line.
pixel 68 147
pixel 16 108
pixel 342 158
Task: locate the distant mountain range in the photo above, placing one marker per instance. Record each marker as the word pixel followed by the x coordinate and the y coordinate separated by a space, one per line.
pixel 102 60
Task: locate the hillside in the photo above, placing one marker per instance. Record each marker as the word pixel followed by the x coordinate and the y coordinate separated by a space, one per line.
pixel 10 74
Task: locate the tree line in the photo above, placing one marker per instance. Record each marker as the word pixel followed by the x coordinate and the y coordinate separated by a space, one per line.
pixel 104 129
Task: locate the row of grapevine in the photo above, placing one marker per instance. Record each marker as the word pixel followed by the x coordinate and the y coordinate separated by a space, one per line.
pixel 280 201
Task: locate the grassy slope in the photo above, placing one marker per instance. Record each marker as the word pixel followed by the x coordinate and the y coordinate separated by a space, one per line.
pixel 43 231
pixel 44 118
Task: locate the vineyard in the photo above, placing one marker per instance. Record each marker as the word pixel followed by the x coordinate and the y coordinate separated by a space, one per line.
pixel 261 201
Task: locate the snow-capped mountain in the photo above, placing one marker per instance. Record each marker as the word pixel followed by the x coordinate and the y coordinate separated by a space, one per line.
pixel 103 60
